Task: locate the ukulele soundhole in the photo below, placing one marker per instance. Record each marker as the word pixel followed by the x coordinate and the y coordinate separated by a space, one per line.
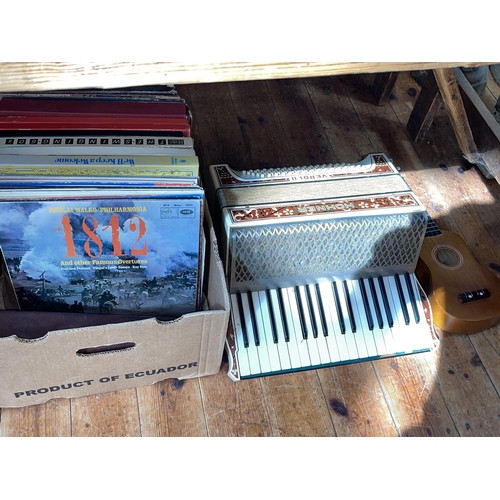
pixel 447 257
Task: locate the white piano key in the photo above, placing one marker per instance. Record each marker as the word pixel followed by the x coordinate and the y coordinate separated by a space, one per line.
pixel 315 320
pixel 292 344
pixel 413 298
pixel 272 348
pixel 304 318
pixel 359 336
pixel 311 342
pixel 403 299
pixel 266 295
pixel 424 332
pixel 400 327
pixel 335 341
pixel 348 302
pixel 349 335
pixel 365 333
pixel 338 307
pixel 253 357
pixel 378 332
pixel 384 296
pixel 282 345
pixel 241 350
pixel 369 314
pixel 293 314
pixel 262 348
pixel 324 351
pixel 387 330
pixel 375 304
pixel 412 329
pixel 320 309
pixel 417 320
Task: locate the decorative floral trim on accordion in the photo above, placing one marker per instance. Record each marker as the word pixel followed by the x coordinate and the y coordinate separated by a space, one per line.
pixel 319 208
pixel 428 315
pixel 233 370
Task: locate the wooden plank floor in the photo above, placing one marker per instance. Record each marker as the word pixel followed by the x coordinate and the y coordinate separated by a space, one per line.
pixel 451 392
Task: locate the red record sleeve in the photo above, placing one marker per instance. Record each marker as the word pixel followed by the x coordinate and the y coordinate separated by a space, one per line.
pixel 179 125
pixel 79 107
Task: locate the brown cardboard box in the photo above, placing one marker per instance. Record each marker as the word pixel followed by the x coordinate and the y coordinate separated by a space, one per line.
pixel 64 363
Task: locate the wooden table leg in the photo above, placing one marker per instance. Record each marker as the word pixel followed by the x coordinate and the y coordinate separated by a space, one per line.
pixel 452 100
pixel 465 109
pixel 441 87
pixel 485 128
pixel 425 109
pixel 383 85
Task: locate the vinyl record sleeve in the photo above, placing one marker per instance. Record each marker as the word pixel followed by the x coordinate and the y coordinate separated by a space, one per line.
pixel 177 126
pixel 96 145
pixel 119 254
pixel 11 106
pixel 99 165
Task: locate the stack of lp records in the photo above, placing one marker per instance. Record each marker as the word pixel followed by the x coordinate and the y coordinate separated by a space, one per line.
pixel 101 208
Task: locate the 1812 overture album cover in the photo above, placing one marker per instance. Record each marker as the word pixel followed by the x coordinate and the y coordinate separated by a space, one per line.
pixel 128 252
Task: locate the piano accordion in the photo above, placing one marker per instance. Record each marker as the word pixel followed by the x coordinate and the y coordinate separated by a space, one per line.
pixel 320 265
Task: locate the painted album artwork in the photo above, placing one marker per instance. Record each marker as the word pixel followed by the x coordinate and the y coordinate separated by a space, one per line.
pixel 124 255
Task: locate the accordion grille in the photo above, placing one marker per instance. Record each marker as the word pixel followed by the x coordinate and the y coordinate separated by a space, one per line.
pixel 310 248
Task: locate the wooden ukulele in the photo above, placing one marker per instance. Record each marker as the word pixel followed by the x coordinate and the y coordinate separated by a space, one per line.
pixel 464 296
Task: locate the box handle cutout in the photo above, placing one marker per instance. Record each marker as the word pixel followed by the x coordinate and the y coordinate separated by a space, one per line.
pixel 105 349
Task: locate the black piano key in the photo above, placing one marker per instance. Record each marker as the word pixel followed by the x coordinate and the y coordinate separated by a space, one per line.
pixel 242 316
pixel 385 300
pixel 305 333
pixel 286 330
pixel 274 329
pixel 310 306
pixel 338 305
pixel 413 300
pixel 378 312
pixel 252 318
pixel 350 310
pixel 366 305
pixel 321 309
pixel 402 300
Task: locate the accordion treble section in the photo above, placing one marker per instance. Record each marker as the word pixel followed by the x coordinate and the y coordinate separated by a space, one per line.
pixel 347 223
pixel 320 265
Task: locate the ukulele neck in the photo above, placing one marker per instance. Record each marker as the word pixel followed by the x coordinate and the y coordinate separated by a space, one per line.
pixel 432 229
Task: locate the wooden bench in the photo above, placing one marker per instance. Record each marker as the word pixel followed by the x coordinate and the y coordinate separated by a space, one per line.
pixel 479 143
pixel 31 76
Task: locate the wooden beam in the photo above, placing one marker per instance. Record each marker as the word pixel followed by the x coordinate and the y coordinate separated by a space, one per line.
pixel 31 76
pixel 452 100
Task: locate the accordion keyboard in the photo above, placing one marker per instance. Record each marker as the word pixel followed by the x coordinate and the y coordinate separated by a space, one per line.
pixel 327 324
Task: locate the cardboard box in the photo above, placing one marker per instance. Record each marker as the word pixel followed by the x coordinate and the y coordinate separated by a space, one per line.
pixel 91 360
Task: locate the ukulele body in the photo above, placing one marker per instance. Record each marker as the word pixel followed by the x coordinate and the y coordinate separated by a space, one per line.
pixel 464 295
